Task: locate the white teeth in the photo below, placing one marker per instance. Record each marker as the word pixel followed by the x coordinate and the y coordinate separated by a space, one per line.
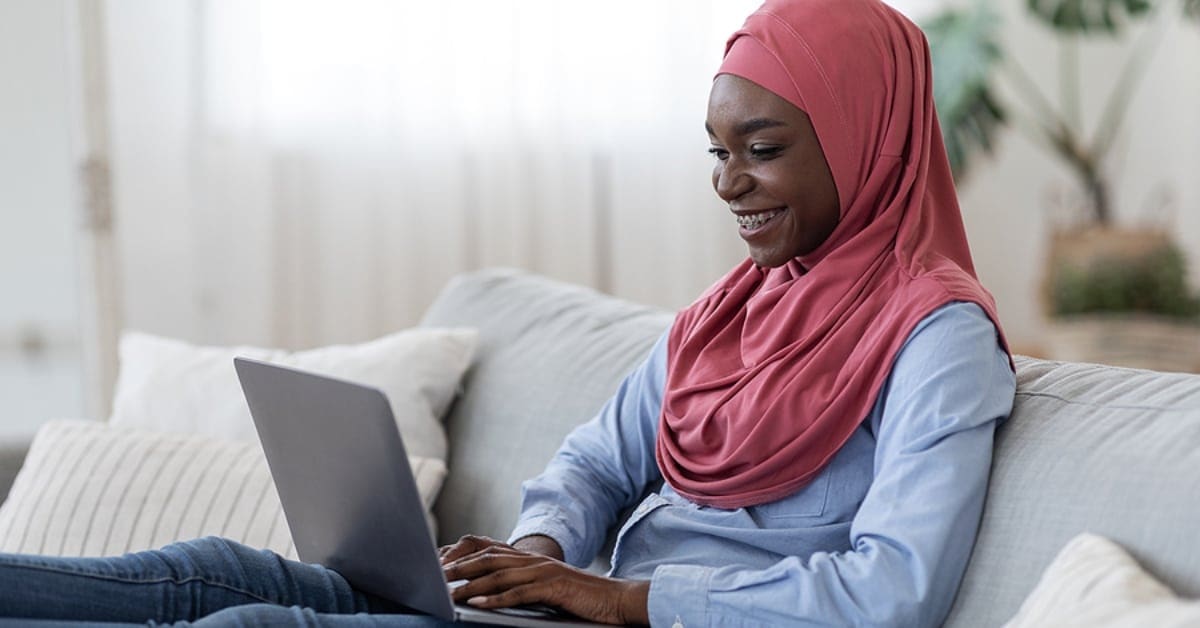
pixel 754 221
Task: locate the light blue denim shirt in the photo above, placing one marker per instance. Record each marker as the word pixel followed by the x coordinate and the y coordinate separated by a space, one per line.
pixel 880 538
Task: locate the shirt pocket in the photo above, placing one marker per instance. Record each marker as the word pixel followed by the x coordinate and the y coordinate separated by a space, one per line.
pixel 807 503
pixel 652 502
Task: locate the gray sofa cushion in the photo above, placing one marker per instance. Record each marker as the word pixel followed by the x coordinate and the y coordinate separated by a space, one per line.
pixel 1088 448
pixel 549 355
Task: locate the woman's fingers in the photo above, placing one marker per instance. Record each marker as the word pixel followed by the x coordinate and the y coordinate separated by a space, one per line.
pixel 466 546
pixel 517 596
pixel 502 577
pixel 500 580
pixel 584 595
pixel 488 561
pixel 515 581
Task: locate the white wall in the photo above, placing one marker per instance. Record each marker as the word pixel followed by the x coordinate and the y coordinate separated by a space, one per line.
pixel 38 278
pixel 1004 199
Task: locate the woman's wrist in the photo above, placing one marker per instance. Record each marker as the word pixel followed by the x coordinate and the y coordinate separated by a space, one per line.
pixel 540 544
pixel 635 602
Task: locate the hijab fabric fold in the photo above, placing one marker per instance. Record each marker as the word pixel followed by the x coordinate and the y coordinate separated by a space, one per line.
pixel 770 371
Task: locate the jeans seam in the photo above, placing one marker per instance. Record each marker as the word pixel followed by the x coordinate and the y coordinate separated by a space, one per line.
pixel 163 580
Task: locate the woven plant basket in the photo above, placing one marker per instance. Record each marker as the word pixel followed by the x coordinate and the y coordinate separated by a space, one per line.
pixel 1131 340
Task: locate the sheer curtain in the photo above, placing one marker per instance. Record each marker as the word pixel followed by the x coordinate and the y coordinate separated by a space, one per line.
pixel 300 173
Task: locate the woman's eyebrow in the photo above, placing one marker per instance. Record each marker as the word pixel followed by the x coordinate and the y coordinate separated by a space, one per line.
pixel 747 127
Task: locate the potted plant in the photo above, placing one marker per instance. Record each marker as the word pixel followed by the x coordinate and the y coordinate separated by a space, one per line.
pixel 1114 293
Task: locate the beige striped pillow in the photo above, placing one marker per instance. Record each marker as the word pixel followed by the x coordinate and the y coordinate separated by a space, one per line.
pixel 89 489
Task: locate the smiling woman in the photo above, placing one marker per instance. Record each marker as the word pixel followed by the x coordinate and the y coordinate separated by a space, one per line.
pixel 813 431
pixel 771 170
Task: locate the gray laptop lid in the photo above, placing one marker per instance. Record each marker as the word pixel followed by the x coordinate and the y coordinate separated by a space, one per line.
pixel 349 496
pixel 347 491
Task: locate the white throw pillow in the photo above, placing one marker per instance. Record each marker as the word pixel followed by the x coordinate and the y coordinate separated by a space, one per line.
pixel 87 489
pixel 1094 583
pixel 174 386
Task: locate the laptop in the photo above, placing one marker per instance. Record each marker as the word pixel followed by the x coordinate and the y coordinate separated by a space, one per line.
pixel 348 493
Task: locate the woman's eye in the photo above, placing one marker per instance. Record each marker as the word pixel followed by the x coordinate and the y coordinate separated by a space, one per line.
pixel 720 153
pixel 765 152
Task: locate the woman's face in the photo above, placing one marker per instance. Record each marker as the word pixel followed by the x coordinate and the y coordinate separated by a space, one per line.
pixel 771 171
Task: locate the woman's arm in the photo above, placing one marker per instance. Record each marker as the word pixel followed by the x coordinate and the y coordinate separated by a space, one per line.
pixel 603 467
pixel 914 532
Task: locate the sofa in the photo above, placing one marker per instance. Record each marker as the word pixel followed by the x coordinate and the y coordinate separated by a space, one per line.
pixel 1111 451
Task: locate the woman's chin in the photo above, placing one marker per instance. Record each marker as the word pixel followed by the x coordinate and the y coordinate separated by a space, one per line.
pixel 768 259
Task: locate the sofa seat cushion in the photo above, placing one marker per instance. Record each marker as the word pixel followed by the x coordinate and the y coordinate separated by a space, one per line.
pixel 1091 448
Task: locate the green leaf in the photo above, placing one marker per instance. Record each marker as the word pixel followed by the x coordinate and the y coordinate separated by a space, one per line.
pixel 964 47
pixel 1090 16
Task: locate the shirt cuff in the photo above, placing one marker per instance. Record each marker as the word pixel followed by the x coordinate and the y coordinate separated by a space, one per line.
pixel 552 525
pixel 679 596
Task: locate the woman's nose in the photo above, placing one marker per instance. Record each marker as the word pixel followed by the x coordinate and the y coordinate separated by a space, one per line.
pixel 731 180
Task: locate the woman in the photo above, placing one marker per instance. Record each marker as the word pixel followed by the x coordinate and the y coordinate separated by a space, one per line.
pixel 822 417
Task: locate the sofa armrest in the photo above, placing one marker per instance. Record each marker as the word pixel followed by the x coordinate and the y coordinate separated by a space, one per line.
pixel 12 455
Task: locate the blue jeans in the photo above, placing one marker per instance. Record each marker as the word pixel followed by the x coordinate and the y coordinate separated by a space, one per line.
pixel 205 582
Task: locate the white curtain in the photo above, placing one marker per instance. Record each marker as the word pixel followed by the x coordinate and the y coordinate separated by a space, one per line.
pixel 297 173
pixel 300 173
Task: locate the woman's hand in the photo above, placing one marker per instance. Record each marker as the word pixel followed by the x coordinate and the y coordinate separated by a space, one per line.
pixel 500 576
pixel 533 544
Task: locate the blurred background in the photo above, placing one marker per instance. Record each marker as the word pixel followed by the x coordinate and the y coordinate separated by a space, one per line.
pixel 301 173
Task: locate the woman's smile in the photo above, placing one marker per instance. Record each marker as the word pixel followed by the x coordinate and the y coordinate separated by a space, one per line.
pixel 752 224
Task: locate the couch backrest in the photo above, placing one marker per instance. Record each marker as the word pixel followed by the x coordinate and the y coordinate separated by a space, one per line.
pixel 1103 449
pixel 550 354
pixel 1088 448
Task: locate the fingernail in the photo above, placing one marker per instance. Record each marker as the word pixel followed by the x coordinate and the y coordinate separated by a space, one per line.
pixel 477 600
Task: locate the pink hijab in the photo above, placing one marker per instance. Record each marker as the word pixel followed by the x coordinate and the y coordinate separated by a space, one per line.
pixel 772 370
